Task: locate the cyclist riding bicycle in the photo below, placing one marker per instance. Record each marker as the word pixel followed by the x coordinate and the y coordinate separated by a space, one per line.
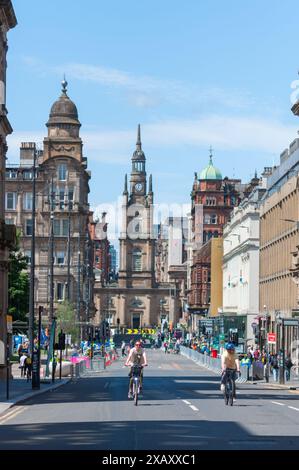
pixel 229 362
pixel 136 357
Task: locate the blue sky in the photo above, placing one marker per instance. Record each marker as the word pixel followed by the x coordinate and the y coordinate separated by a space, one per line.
pixel 193 73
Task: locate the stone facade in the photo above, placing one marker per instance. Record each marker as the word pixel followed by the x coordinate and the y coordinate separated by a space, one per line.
pixel 62 187
pixel 137 300
pixel 7 234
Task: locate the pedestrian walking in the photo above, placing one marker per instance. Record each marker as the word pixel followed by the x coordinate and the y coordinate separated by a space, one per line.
pixel 27 368
pixel 123 349
pixel 288 366
pixel 166 347
pixel 22 364
pixel 275 366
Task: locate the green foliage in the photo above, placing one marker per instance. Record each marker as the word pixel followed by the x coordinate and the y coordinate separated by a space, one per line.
pixel 18 283
pixel 66 320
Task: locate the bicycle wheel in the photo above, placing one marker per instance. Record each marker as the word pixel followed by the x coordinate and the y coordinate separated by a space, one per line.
pixel 231 393
pixel 226 394
pixel 136 387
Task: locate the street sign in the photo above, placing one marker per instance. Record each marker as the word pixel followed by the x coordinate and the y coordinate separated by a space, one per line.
pixel 288 322
pixel 272 338
pixel 129 331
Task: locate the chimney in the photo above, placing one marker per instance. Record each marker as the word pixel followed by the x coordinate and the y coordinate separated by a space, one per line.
pixel 27 150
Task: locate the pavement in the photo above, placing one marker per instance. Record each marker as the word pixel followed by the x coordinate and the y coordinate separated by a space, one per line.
pixel 20 389
pixel 182 407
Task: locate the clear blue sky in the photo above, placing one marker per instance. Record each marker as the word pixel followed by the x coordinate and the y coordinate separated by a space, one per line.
pixel 193 73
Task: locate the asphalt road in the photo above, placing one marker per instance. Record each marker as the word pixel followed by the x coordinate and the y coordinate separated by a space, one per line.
pixel 182 408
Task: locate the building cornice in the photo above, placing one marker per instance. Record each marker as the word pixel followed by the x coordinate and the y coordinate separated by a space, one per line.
pixel 8 13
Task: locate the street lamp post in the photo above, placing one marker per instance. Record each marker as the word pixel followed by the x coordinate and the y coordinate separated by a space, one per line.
pixel 267 371
pixel 32 266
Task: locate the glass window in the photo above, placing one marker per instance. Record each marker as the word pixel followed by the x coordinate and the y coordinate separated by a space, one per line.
pixel 62 172
pixel 10 201
pixel 28 256
pixel 213 219
pixel 60 257
pixel 27 201
pixel 28 227
pixel 137 260
pixel 27 175
pixel 60 291
pixel 9 221
pixel 71 198
pixel 61 227
pixel 61 199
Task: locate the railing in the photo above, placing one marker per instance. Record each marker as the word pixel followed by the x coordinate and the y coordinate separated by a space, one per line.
pixel 212 363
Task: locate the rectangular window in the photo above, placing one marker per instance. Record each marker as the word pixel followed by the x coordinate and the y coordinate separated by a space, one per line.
pixel 28 227
pixel 60 291
pixel 27 201
pixel 27 175
pixel 62 172
pixel 60 257
pixel 28 256
pixel 10 221
pixel 61 227
pixel 61 199
pixel 11 174
pixel 10 201
pixel 71 198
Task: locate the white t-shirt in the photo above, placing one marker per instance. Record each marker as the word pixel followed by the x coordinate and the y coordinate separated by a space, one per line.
pixel 22 360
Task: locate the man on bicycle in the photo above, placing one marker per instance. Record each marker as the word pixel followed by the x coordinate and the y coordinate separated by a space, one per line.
pixel 229 362
pixel 136 356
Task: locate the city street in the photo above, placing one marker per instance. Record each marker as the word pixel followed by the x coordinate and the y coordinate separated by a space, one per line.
pixel 182 408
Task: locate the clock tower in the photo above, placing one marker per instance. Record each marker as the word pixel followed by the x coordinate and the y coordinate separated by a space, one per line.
pixel 136 239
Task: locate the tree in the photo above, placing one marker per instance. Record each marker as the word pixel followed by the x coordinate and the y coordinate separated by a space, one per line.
pixel 18 283
pixel 66 320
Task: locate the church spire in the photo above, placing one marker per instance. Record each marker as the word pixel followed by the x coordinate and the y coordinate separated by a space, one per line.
pixel 150 184
pixel 138 143
pixel 126 185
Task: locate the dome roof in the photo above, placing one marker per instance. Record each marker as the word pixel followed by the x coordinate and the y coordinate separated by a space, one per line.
pixel 210 172
pixel 63 110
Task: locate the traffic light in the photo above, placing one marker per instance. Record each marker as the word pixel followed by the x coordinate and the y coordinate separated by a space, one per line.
pixel 107 330
pixel 234 338
pixel 61 341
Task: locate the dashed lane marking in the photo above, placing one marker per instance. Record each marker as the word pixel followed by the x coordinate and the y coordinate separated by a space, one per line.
pixel 187 402
pixel 293 408
pixel 277 403
pixel 194 408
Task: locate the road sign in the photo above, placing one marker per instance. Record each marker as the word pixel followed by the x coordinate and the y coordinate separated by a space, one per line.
pixel 272 338
pixel 129 332
pixel 136 331
pixel 288 322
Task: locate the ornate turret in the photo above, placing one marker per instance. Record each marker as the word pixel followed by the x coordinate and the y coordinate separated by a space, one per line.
pixel 210 172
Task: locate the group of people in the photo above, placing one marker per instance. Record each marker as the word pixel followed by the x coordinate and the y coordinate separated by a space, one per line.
pixel 25 365
pixel 273 360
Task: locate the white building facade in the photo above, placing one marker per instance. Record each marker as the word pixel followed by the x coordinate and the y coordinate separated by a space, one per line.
pixel 241 261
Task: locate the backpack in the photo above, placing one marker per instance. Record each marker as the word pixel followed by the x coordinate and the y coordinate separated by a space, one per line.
pixel 274 362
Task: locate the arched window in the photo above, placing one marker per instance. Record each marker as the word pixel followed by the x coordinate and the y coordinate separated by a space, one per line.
pixel 137 260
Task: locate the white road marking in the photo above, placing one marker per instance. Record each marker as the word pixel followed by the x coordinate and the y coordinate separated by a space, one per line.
pixel 277 403
pixel 194 408
pixel 187 402
pixel 293 408
pixel 13 415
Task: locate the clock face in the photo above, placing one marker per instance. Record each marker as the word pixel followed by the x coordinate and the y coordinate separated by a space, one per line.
pixel 138 187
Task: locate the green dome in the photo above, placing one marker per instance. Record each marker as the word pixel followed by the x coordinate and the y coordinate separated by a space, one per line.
pixel 210 172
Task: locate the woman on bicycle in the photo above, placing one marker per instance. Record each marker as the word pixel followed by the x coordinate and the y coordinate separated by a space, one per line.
pixel 229 360
pixel 136 356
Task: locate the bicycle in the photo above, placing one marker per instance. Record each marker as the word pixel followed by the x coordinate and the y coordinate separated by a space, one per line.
pixel 229 390
pixel 136 382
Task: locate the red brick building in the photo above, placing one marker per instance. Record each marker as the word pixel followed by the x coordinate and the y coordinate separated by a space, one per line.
pixel 213 198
